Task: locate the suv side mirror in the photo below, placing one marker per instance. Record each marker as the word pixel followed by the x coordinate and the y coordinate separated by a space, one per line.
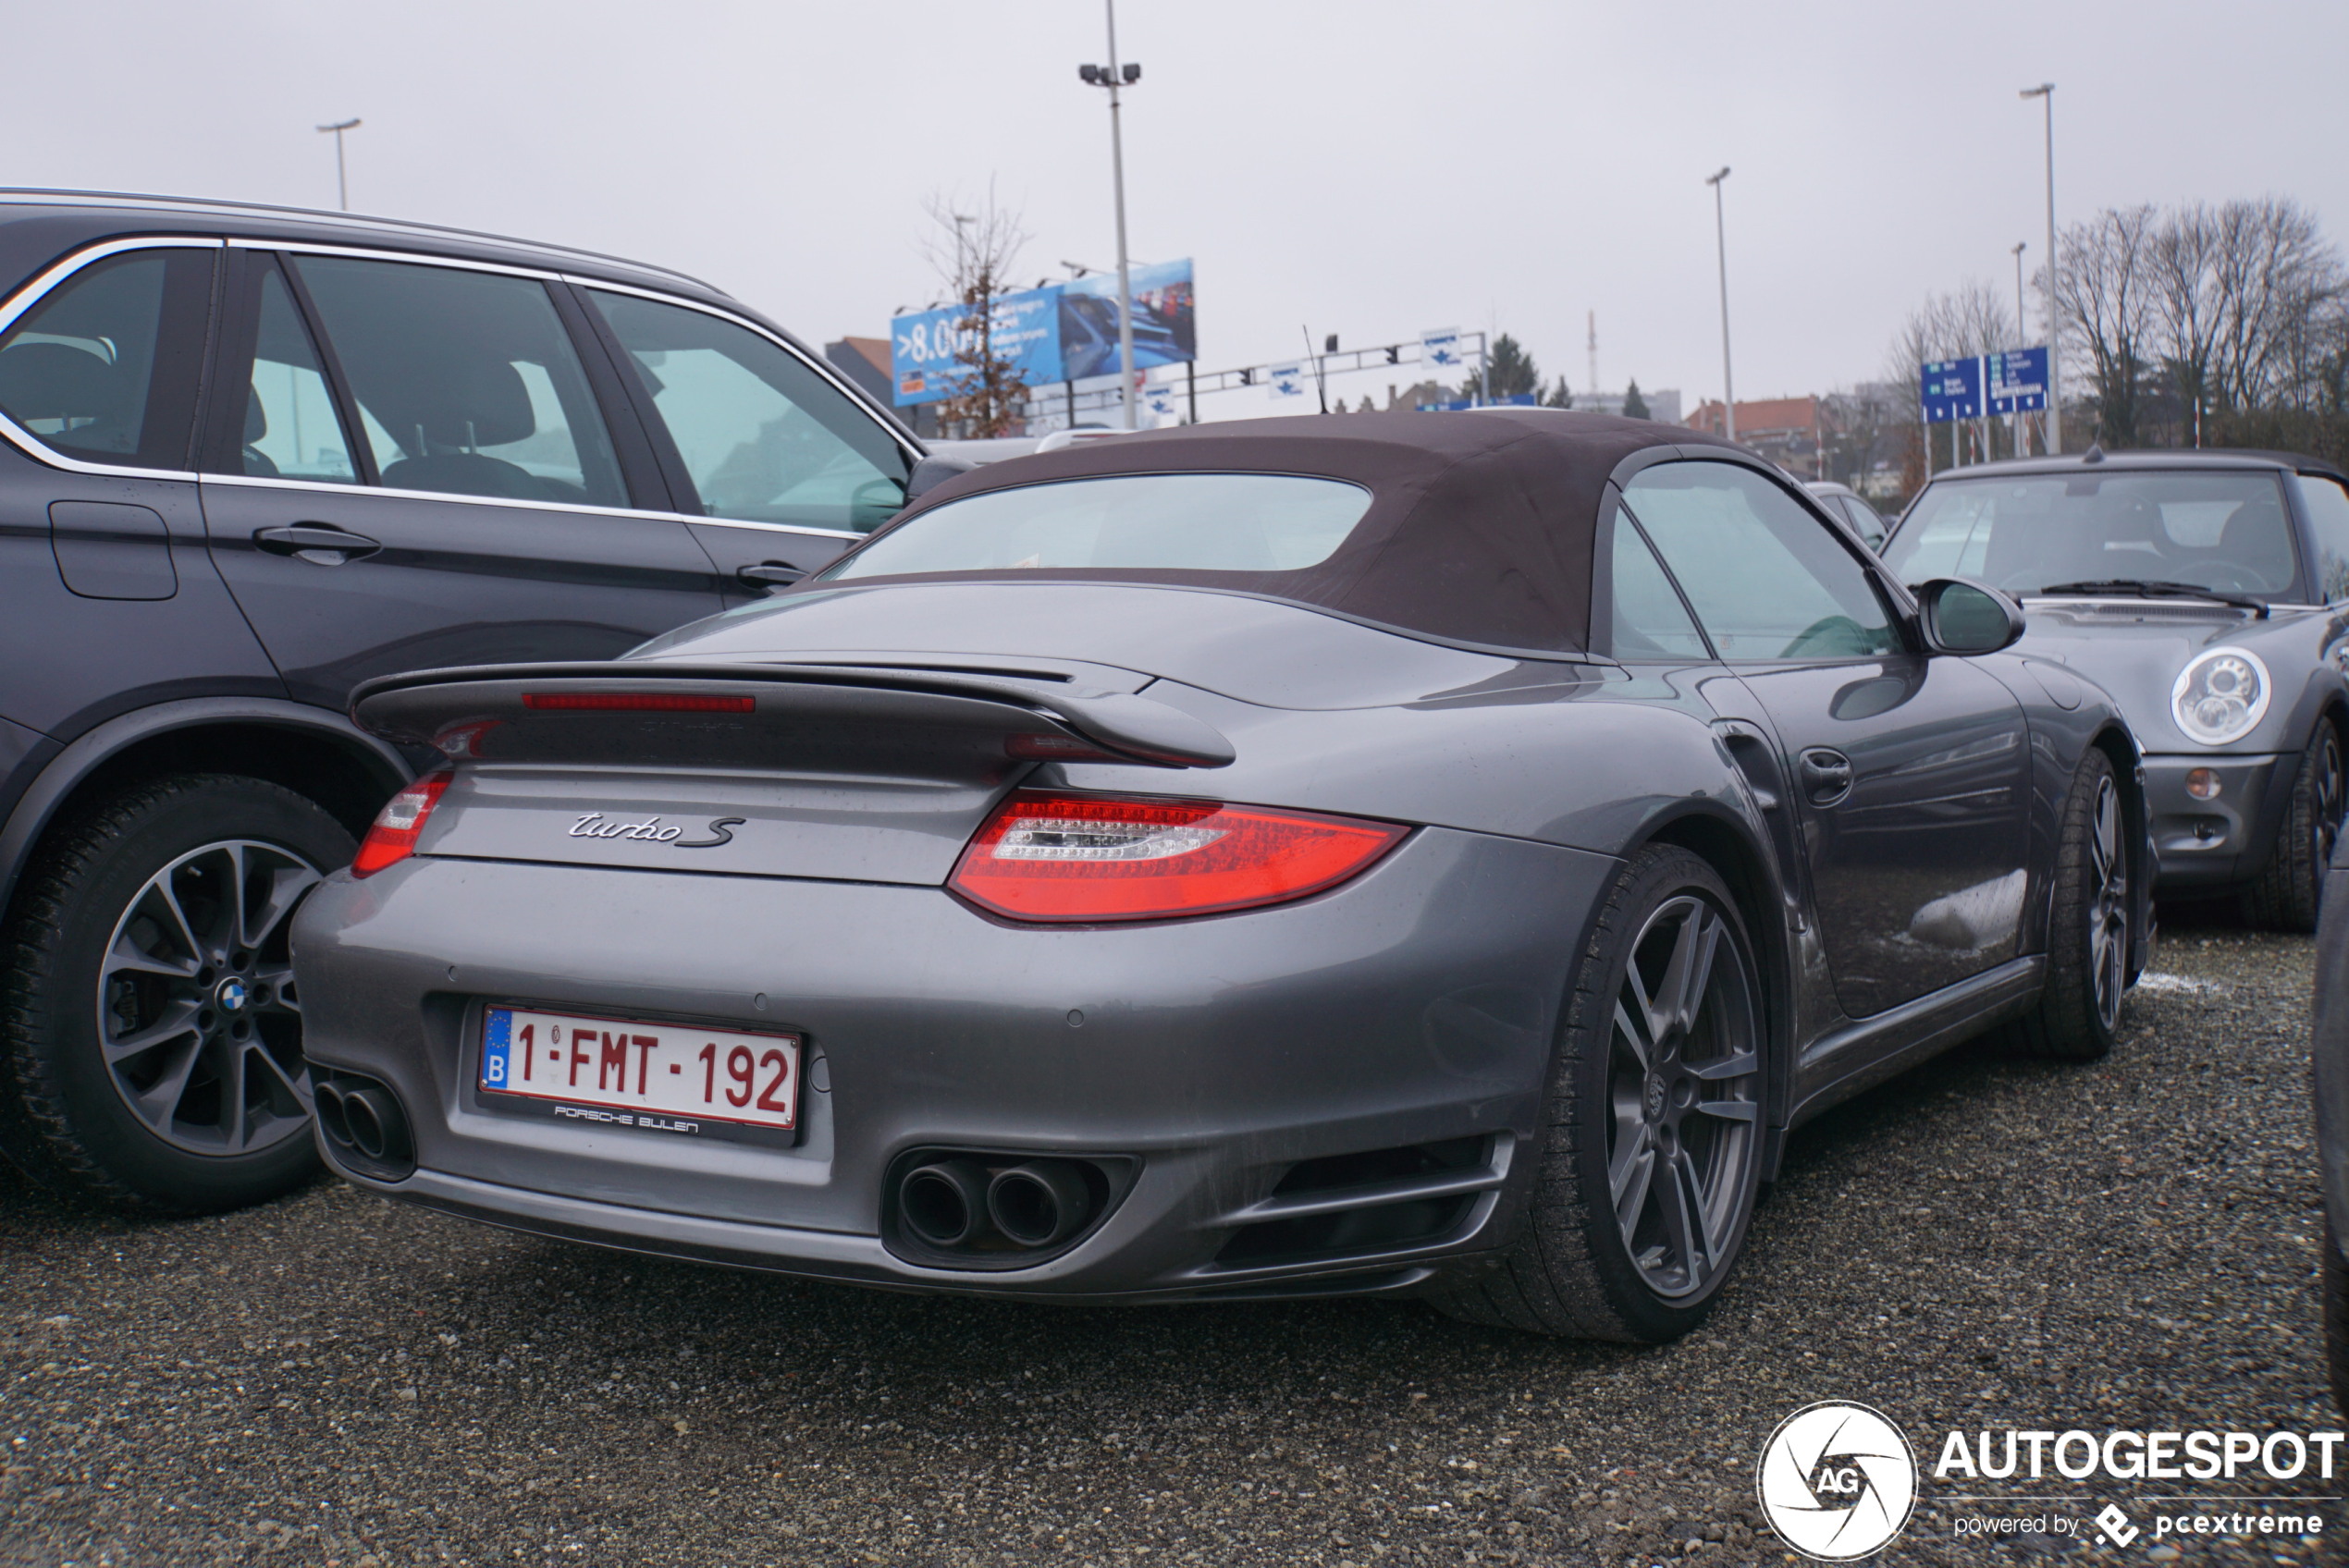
pixel 1961 616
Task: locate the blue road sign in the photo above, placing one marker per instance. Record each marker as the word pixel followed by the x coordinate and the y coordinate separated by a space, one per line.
pixel 2016 381
pixel 1951 390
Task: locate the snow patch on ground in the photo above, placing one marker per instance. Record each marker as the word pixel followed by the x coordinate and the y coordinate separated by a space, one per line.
pixel 2155 980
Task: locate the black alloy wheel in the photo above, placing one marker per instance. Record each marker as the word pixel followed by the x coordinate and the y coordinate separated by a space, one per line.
pixel 198 1018
pixel 151 1043
pixel 1654 1142
pixel 1684 1068
pixel 2289 892
pixel 2089 931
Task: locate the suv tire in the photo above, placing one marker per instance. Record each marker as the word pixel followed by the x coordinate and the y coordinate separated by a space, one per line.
pixel 1642 1199
pixel 149 1033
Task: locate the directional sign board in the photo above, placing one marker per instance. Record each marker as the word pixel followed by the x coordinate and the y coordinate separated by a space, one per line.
pixel 1441 347
pixel 1951 390
pixel 2016 381
pixel 1286 381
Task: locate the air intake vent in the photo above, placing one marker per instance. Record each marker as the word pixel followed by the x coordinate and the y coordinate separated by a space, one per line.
pixel 1379 1200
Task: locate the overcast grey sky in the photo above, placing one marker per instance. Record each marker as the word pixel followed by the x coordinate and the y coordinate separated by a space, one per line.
pixel 1369 168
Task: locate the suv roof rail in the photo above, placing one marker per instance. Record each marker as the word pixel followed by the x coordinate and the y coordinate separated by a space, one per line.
pixel 31 195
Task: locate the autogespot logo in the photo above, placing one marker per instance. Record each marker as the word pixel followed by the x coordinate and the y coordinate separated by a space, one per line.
pixel 1837 1481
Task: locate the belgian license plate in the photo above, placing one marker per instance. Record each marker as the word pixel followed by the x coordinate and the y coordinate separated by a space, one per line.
pixel 657 1073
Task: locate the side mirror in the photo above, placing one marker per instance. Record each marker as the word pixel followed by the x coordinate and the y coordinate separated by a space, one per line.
pixel 1963 617
pixel 931 473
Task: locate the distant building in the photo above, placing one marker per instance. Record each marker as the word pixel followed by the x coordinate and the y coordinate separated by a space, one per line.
pixel 1788 431
pixel 1664 404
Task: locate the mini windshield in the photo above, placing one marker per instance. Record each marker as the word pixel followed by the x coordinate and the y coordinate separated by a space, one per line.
pixel 2226 532
pixel 1250 523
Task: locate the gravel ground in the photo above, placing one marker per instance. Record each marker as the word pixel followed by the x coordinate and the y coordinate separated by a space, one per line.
pixel 1987 1242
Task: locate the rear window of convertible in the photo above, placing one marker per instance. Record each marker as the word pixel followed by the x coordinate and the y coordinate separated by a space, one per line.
pixel 1180 521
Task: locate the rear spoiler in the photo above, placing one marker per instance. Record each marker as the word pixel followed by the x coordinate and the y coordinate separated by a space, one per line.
pixel 672 713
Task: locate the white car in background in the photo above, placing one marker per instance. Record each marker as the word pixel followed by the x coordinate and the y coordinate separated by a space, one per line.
pixel 1844 501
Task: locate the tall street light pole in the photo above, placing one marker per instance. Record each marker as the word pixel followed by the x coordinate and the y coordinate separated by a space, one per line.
pixel 2045 93
pixel 2020 246
pixel 342 179
pixel 1116 76
pixel 1721 246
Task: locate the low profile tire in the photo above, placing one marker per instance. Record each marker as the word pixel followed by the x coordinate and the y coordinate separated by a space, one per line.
pixel 2078 1012
pixel 1651 1150
pixel 2288 892
pixel 2336 1311
pixel 149 1030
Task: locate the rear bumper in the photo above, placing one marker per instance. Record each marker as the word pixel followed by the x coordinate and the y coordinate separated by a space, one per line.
pixel 1414 1005
pixel 2211 844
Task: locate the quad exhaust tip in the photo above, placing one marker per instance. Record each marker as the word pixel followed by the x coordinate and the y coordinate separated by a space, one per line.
pixel 1039 1203
pixel 944 1202
pixel 997 1211
pixel 363 1118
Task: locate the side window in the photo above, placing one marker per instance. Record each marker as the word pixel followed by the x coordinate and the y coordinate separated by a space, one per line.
pixel 764 437
pixel 466 381
pixel 1650 621
pixel 103 366
pixel 291 430
pixel 2327 505
pixel 1864 518
pixel 1766 580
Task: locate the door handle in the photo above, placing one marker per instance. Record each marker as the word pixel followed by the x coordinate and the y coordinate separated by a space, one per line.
pixel 768 574
pixel 1827 776
pixel 320 544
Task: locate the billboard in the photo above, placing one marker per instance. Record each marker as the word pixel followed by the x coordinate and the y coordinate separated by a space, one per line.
pixel 1065 332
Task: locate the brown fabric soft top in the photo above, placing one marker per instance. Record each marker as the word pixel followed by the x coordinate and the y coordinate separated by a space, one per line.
pixel 1480 528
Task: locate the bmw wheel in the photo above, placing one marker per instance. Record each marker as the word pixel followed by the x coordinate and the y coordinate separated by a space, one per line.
pixel 150 1044
pixel 1652 1151
pixel 2286 895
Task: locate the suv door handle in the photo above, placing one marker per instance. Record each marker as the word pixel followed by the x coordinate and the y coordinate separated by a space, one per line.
pixel 320 544
pixel 1827 776
pixel 768 574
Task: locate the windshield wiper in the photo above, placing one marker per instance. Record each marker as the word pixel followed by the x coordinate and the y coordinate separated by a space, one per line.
pixel 2154 588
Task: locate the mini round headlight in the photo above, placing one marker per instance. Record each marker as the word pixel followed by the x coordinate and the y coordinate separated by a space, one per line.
pixel 2221 695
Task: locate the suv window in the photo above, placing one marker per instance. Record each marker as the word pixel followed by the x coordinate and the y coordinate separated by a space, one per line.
pixel 466 381
pixel 103 366
pixel 764 437
pixel 291 430
pixel 2327 505
pixel 1766 578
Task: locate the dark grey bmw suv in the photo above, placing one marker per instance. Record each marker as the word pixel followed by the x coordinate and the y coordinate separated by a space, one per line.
pixel 248 458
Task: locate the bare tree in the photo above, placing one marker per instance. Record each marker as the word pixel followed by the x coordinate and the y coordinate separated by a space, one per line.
pixel 2105 292
pixel 975 253
pixel 2204 312
pixel 1974 319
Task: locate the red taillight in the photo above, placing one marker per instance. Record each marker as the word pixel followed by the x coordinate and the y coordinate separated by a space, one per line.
pixel 1048 857
pixel 393 837
pixel 635 701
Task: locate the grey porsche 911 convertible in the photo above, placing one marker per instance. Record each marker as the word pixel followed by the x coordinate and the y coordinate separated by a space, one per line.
pixel 1433 854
